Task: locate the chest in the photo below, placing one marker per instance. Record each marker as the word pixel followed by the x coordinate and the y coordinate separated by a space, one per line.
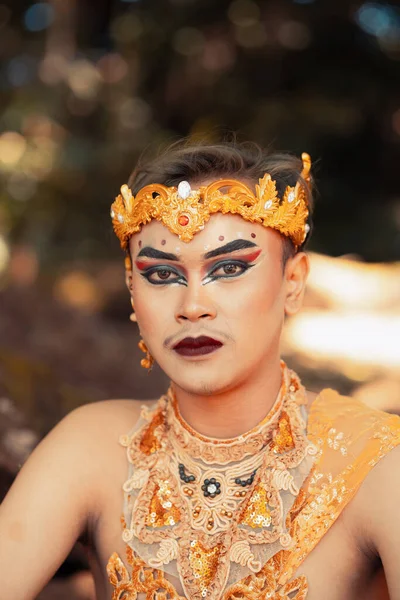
pixel 336 569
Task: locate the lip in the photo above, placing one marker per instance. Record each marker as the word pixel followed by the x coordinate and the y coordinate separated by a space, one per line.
pixel 198 346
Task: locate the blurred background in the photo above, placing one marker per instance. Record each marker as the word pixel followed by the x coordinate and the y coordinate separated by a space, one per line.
pixel 86 87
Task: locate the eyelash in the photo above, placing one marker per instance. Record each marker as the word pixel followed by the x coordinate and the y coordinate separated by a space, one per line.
pixel 181 280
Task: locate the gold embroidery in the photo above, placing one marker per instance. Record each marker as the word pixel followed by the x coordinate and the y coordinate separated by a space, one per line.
pixel 204 564
pixel 336 441
pixel 283 440
pixel 162 512
pixel 368 435
pixel 142 580
pixel 149 442
pixel 222 452
pixel 256 513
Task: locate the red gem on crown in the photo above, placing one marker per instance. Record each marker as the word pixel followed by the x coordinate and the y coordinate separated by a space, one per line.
pixel 183 220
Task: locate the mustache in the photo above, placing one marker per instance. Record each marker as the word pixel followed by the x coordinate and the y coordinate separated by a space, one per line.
pixel 174 339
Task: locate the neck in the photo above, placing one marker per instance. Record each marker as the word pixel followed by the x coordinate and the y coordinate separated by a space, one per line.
pixel 230 413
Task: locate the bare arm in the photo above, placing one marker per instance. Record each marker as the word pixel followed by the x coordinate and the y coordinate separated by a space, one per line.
pixel 379 512
pixel 49 506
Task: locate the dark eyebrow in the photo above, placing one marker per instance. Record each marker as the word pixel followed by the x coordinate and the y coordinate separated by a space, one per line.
pixel 230 247
pixel 153 253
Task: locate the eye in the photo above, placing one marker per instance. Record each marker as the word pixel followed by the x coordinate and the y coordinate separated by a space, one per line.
pixel 229 269
pixel 161 275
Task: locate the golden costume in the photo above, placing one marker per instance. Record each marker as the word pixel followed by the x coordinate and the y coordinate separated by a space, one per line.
pixel 236 518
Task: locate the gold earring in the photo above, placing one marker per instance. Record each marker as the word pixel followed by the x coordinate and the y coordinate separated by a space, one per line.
pixel 132 316
pixel 148 362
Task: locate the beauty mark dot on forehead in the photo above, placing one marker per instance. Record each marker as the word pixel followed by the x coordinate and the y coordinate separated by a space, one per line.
pixel 253 235
pixel 221 238
pixel 140 243
pixel 163 242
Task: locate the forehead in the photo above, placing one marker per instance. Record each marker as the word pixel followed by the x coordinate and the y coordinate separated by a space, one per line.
pixel 219 230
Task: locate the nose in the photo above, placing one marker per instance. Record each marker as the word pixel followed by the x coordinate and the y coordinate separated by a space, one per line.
pixel 195 304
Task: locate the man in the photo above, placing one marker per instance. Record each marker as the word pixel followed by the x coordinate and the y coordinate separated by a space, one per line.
pixel 241 484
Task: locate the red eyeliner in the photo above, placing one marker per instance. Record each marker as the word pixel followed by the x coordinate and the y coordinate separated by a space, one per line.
pixel 250 257
pixel 246 258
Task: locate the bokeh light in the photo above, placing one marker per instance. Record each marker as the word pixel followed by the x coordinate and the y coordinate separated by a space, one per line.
pixel 21 70
pixel 251 36
pixel 127 28
pixel 244 13
pixel 24 266
pixel 77 289
pixel 377 19
pixel 84 79
pixel 112 68
pixel 4 255
pixel 369 340
pixel 53 69
pixel 21 186
pixel 218 55
pixel 134 113
pixel 39 16
pixel 12 148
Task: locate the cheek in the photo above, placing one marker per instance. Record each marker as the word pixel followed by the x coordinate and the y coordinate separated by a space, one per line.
pixel 150 306
pixel 259 296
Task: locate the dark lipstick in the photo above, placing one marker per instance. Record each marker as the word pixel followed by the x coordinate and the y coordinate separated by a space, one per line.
pixel 197 346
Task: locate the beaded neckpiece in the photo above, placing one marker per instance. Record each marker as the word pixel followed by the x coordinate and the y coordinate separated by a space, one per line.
pixel 185 211
pixel 209 511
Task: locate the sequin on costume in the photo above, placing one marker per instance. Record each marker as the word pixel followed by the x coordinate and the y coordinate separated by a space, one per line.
pixel 275 522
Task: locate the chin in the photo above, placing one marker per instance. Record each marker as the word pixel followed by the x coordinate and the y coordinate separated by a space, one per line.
pixel 209 377
pixel 202 384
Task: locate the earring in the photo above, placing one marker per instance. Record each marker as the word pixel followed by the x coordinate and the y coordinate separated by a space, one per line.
pixel 133 315
pixel 148 362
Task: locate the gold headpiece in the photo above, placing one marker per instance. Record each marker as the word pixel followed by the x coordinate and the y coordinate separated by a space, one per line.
pixel 185 211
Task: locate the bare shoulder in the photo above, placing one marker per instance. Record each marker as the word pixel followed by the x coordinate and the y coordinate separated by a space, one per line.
pixel 383 481
pixel 98 426
pixel 108 413
pixel 374 508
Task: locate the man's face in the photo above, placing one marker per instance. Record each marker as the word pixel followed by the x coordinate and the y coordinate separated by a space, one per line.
pixel 225 290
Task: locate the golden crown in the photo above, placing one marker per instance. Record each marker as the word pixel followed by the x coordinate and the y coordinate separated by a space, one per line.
pixel 185 211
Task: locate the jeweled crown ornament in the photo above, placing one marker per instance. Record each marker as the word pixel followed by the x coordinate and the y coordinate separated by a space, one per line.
pixel 185 211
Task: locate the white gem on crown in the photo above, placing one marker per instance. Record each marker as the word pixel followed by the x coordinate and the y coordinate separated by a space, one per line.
pixel 184 190
pixel 291 196
pixel 268 204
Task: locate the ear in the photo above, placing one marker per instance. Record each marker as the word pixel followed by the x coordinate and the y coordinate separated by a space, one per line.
pixel 128 273
pixel 296 273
